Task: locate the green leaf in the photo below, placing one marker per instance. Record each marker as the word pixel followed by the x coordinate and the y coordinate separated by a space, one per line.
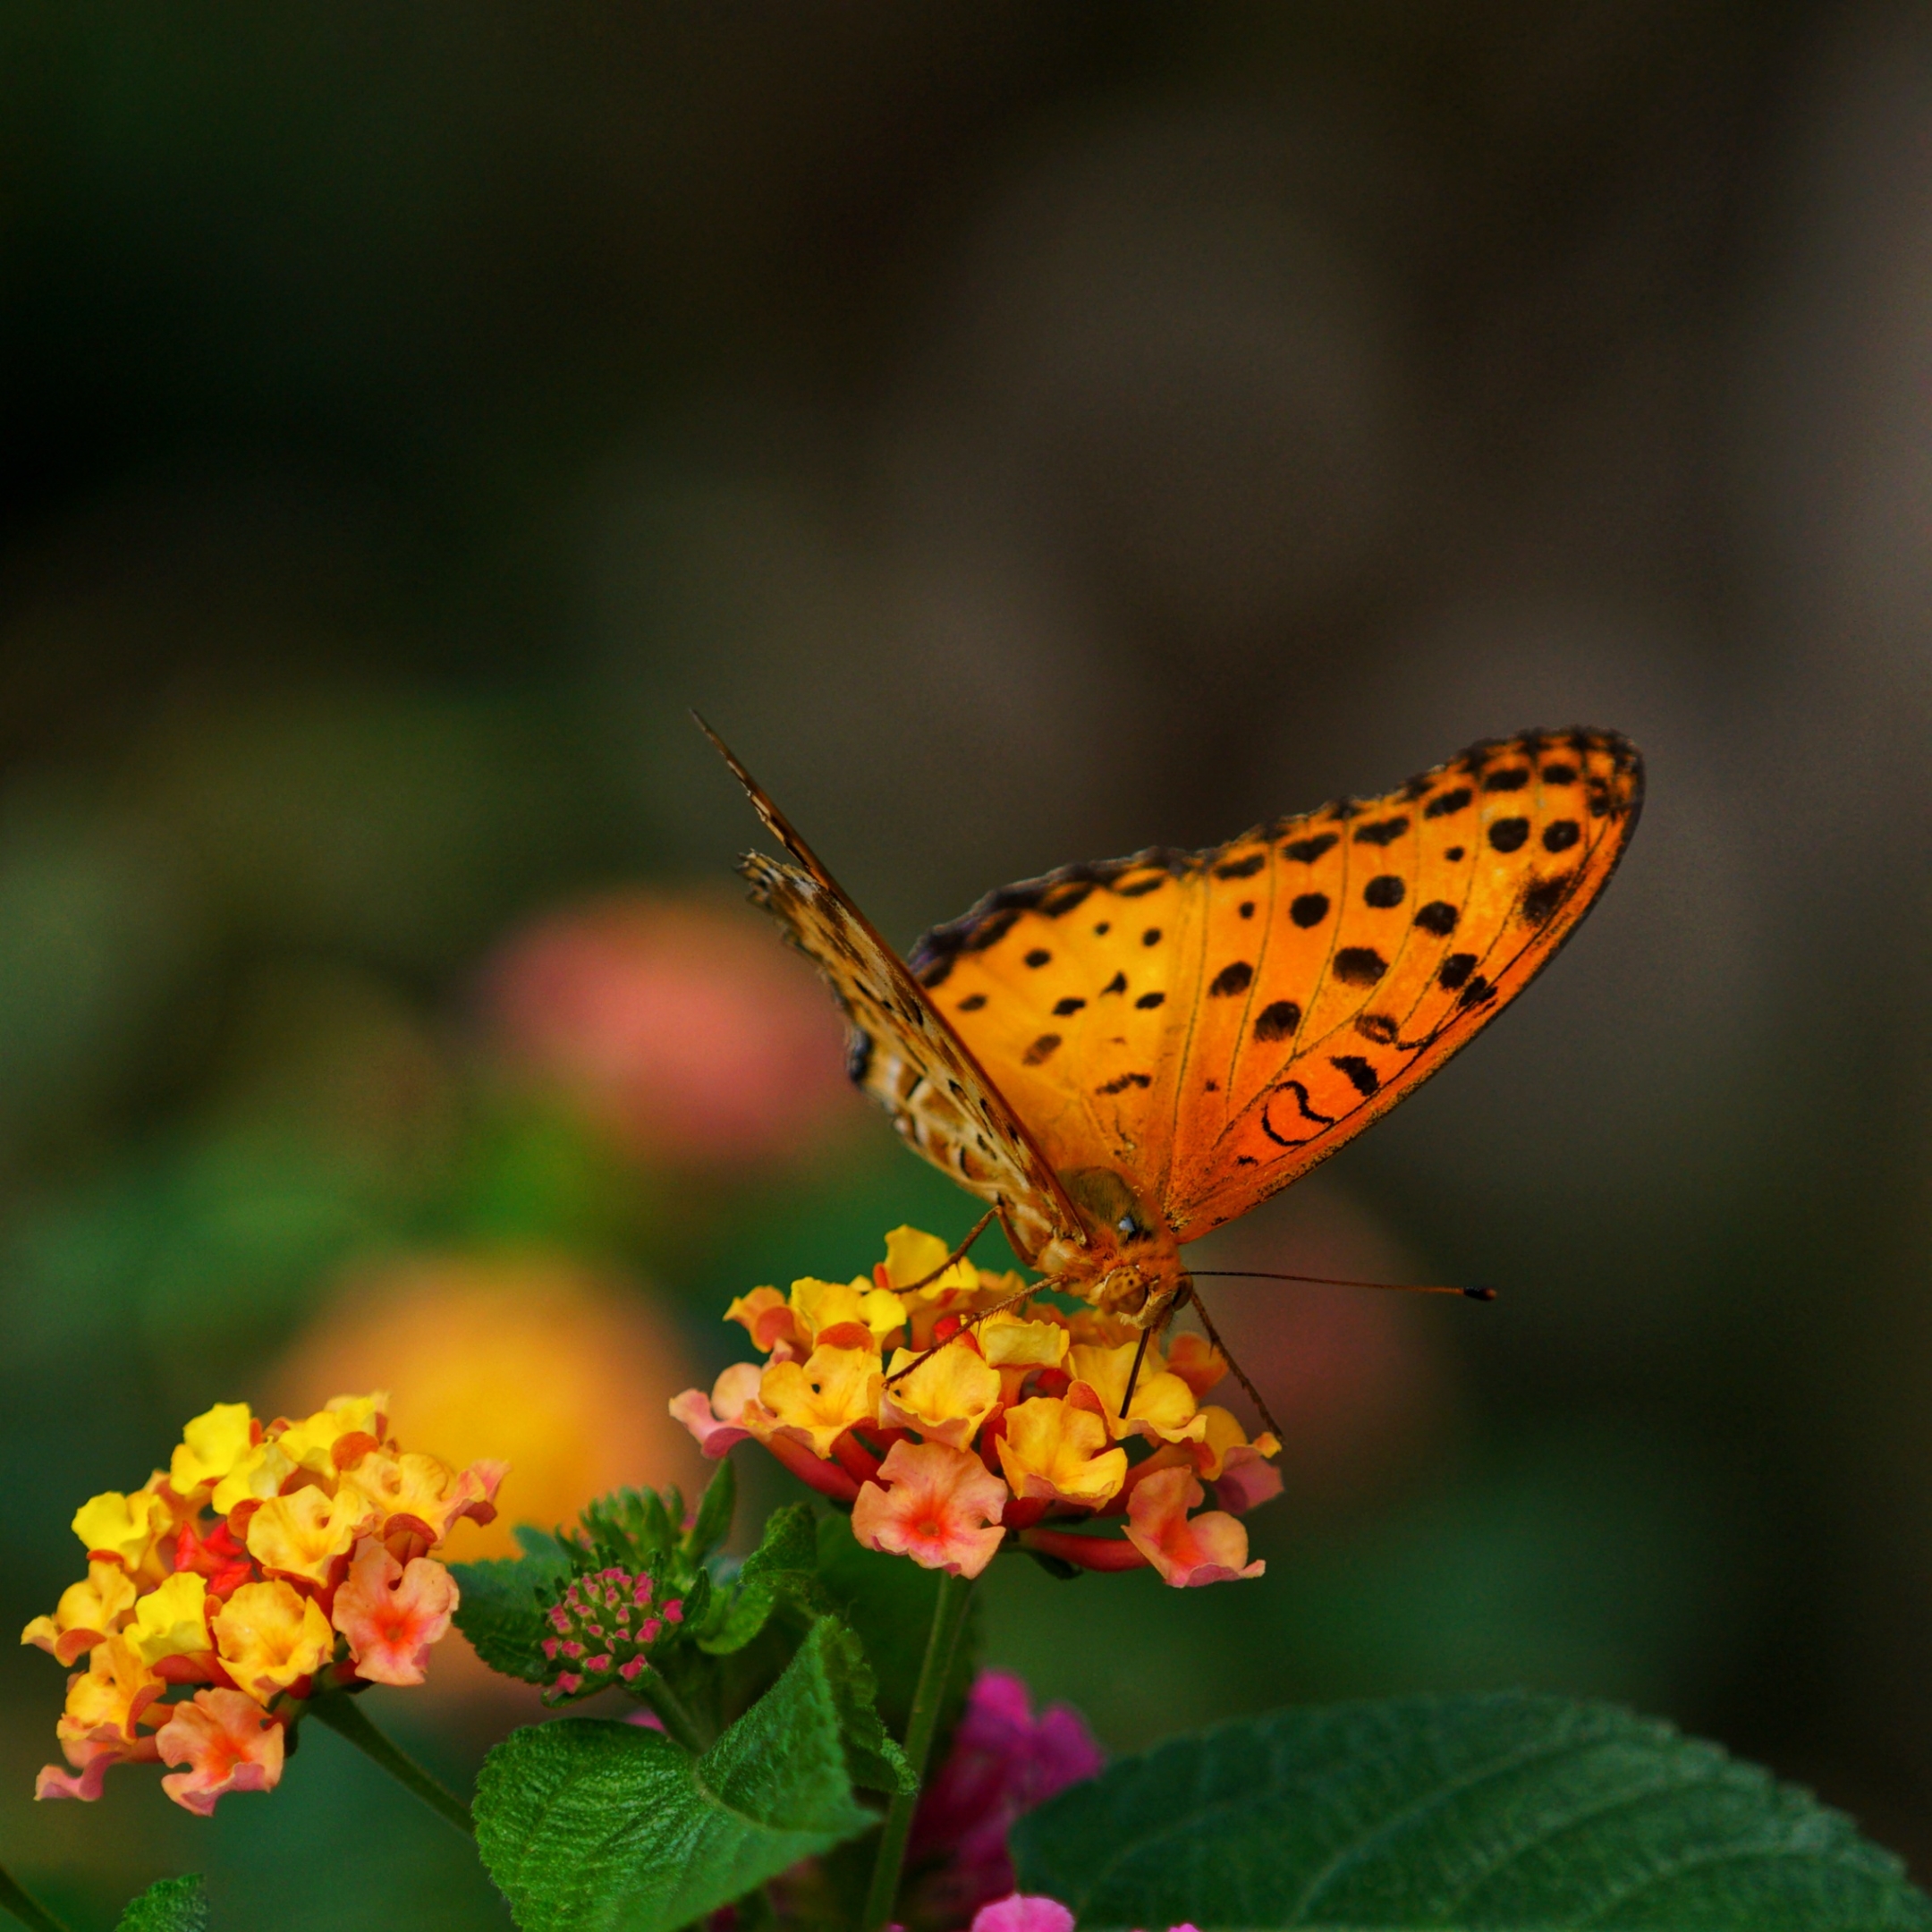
pixel 502 1601
pixel 715 1508
pixel 167 1905
pixel 1506 1811
pixel 782 1570
pixel 587 1826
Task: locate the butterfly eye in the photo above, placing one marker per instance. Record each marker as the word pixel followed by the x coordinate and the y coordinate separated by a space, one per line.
pixel 1129 1228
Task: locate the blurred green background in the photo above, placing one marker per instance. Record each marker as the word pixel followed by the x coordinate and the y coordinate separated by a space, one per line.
pixel 1027 432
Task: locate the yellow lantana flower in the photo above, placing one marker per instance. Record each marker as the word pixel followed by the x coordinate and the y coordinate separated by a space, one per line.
pixel 350 1423
pixel 1163 1406
pixel 87 1612
pixel 268 1634
pixel 1056 1451
pixel 301 1534
pixel 124 1527
pixel 946 1398
pixel 172 1619
pixel 211 1445
pixel 818 1305
pixel 822 1396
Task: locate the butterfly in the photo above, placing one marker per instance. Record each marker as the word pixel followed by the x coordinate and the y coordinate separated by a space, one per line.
pixel 1119 1057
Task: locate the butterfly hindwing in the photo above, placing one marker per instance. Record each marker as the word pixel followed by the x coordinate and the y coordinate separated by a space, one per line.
pixel 1214 1024
pixel 901 1052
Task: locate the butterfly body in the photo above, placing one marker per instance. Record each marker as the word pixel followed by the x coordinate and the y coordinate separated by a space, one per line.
pixel 1119 1057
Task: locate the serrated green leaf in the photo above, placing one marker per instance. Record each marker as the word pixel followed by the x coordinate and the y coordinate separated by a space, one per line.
pixel 587 1826
pixel 1501 1813
pixel 168 1905
pixel 873 1754
pixel 715 1508
pixel 501 1611
pixel 782 1570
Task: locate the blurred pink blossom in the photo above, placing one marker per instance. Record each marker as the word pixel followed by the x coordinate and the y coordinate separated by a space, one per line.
pixel 1003 1762
pixel 677 1023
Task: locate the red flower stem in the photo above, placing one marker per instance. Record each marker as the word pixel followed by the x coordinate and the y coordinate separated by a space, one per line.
pixel 949 1618
pixel 344 1715
pixel 27 1911
pixel 1088 1552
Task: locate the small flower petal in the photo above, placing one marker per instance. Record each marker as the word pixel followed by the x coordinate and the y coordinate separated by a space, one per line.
pixel 716 1419
pixel 936 1504
pixel 1022 1913
pixel 268 1634
pixel 1211 1548
pixel 172 1619
pixel 1053 1450
pixel 301 1534
pixel 228 1743
pixel 87 1612
pixel 392 1613
pixel 946 1398
pixel 818 1399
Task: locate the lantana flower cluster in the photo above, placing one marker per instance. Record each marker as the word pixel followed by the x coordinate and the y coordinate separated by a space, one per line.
pixel 1010 1434
pixel 266 1562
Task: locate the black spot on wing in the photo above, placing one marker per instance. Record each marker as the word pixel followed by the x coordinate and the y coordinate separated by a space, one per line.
pixel 1141 887
pixel 1148 1001
pixel 1071 1004
pixel 1476 992
pixel 1278 1021
pixel 935 975
pixel 1234 977
pixel 1378 1027
pixel 1383 832
pixel 1151 936
pixel 1309 850
pixel 1125 1081
pixel 1037 957
pixel 1507 779
pixel 1310 909
pixel 1247 909
pixel 972 1002
pixel 1117 984
pixel 1453 853
pixel 1442 806
pixel 1542 898
pixel 1042 1048
pixel 1561 834
pixel 1508 835
pixel 1456 969
pixel 1359 966
pixel 1361 1074
pixel 1386 890
pixel 1242 868
pixel 1558 774
pixel 1438 917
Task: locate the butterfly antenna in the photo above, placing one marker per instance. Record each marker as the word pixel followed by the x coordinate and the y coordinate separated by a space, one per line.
pixel 1227 1355
pixel 1338 1281
pixel 958 1254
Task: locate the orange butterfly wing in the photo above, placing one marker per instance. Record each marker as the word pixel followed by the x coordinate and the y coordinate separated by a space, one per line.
pixel 1214 1024
pixel 901 1051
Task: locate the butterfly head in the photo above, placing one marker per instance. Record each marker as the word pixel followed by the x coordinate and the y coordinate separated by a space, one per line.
pixel 1130 1263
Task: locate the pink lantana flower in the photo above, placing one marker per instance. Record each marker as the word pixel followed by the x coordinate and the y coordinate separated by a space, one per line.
pixel 1023 1914
pixel 716 1419
pixel 228 1742
pixel 92 1757
pixel 1030 1912
pixel 1211 1548
pixel 940 1506
pixel 391 1613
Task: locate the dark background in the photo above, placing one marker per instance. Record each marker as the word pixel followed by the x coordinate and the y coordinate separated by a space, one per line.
pixel 1027 432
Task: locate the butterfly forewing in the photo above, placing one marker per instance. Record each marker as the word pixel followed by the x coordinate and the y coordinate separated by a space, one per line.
pixel 1446 899
pixel 1212 1024
pixel 900 1051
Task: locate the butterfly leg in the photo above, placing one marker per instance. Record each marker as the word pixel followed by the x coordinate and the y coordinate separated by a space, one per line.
pixel 965 1328
pixel 1192 1294
pixel 958 1254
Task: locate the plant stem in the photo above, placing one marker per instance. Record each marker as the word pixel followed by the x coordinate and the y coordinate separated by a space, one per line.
pixel 345 1716
pixel 679 1726
pixel 25 1909
pixel 949 1617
